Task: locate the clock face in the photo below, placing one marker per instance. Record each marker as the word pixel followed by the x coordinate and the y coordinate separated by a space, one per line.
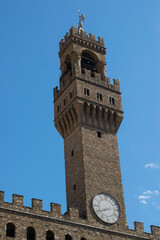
pixel 106 208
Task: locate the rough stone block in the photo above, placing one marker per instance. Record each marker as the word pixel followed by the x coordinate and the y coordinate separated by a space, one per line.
pixel 55 208
pixel 1 197
pixel 139 227
pixel 73 213
pixel 116 82
pixel 66 36
pixel 155 230
pixel 73 31
pixel 17 200
pixel 37 203
pixel 92 37
pixel 101 40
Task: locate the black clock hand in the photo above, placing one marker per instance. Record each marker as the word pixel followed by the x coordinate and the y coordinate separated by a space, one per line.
pixel 105 209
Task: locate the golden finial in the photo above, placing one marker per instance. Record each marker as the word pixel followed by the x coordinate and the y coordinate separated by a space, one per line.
pixel 81 18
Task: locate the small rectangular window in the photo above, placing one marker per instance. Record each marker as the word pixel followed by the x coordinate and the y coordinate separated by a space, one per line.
pixel 74 187
pixel 71 94
pixel 99 96
pixel 64 101
pixel 112 100
pixel 86 91
pixel 99 134
pixel 58 108
pixel 72 153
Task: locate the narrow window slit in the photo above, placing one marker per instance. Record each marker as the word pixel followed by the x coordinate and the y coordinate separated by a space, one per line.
pixel 72 152
pixel 99 134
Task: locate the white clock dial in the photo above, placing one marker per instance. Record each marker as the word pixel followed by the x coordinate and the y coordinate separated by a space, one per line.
pixel 106 208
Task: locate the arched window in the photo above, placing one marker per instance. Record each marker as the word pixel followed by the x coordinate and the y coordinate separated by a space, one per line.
pixel 10 231
pixel 68 237
pixel 83 238
pixel 49 235
pixel 88 62
pixel 31 233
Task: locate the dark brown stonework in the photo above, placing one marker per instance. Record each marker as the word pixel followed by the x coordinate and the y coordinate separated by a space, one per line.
pixel 88 113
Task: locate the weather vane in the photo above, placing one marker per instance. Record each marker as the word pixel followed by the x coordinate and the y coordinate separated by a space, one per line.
pixel 81 18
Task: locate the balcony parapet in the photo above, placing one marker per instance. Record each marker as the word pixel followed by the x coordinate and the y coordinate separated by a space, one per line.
pixel 85 75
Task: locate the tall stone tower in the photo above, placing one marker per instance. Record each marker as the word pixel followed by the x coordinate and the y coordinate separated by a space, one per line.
pixel 87 114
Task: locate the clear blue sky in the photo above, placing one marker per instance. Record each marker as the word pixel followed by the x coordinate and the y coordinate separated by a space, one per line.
pixel 31 150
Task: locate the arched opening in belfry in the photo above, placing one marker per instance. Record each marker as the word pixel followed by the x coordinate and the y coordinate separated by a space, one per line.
pixel 89 61
pixel 10 230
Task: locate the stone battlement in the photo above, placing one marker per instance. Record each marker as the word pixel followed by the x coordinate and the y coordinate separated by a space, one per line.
pixel 82 38
pixel 85 75
pixel 36 207
pixel 72 215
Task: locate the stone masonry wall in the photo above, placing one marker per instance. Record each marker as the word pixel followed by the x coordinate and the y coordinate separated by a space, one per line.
pixel 42 221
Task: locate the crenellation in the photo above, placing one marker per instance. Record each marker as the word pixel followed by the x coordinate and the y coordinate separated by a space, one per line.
pixel 1 197
pixel 85 74
pixel 37 204
pixel 83 38
pixel 66 36
pixel 17 200
pixel 101 40
pixel 73 213
pixel 61 43
pixel 96 78
pixel 55 208
pixel 73 31
pixel 92 37
pixel 139 227
pixel 155 230
pixel 116 82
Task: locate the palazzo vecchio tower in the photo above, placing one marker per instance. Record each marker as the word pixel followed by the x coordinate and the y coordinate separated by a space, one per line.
pixel 87 114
